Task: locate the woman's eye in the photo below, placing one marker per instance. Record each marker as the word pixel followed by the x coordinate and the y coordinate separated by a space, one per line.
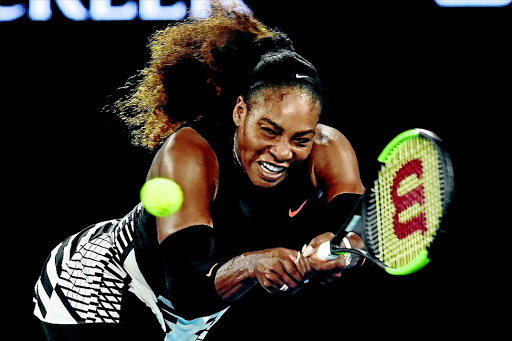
pixel 268 131
pixel 302 141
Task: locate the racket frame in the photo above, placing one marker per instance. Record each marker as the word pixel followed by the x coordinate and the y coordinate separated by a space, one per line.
pixel 330 250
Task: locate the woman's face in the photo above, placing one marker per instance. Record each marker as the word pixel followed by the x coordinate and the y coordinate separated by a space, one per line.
pixel 275 133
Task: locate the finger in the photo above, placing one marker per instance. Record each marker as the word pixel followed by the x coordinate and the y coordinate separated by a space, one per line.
pixel 321 265
pixel 318 240
pixel 290 281
pixel 272 283
pixel 289 275
pixel 307 250
pixel 336 275
pixel 303 265
pixel 331 277
pixel 293 271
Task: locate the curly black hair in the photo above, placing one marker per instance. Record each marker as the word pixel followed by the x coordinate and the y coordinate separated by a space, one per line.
pixel 197 69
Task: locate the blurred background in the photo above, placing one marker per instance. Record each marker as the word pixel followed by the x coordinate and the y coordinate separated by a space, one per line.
pixel 386 66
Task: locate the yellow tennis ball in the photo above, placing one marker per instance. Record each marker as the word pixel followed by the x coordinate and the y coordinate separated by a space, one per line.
pixel 161 197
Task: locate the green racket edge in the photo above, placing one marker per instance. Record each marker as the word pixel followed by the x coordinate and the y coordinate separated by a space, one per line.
pixel 387 152
pixel 416 264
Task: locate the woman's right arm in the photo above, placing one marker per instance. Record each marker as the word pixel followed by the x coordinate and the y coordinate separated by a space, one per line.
pixel 194 278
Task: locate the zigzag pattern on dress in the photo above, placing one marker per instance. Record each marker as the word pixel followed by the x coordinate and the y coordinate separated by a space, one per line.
pixel 83 278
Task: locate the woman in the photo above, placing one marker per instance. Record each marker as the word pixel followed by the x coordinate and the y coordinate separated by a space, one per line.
pixel 255 191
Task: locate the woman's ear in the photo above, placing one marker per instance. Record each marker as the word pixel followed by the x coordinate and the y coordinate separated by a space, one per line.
pixel 240 111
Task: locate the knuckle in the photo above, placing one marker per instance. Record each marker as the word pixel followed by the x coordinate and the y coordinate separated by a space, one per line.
pixel 328 235
pixel 292 285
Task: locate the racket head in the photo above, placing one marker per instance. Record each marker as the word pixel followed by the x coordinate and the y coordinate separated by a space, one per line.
pixel 404 208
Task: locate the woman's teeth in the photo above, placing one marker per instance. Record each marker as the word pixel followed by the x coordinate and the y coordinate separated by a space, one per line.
pixel 272 168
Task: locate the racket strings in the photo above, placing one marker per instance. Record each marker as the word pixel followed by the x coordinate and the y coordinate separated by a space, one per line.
pixel 405 208
pixel 372 232
pixel 445 183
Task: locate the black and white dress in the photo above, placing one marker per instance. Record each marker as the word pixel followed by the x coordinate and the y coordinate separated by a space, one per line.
pixel 84 279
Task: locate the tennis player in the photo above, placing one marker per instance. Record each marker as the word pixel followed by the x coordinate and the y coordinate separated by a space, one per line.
pixel 233 113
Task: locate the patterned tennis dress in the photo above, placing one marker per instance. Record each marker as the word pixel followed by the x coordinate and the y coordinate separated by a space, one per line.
pixel 86 278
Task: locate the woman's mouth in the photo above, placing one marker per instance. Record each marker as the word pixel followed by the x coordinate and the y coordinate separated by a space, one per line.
pixel 271 172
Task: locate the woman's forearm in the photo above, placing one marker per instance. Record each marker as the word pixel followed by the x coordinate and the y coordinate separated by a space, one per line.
pixel 235 277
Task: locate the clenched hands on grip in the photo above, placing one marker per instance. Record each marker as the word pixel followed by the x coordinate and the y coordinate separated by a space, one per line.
pixel 281 269
pixel 278 269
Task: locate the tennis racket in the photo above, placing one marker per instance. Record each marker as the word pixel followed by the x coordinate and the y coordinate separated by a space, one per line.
pixel 399 217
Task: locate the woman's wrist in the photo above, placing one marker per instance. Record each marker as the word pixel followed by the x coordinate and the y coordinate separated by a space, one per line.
pixel 235 277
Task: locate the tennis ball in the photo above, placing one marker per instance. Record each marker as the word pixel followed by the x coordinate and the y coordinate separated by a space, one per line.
pixel 161 197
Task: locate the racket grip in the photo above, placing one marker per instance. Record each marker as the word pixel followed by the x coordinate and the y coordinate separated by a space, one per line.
pixel 324 251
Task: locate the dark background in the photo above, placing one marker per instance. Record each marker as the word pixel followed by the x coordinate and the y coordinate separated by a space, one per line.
pixel 386 66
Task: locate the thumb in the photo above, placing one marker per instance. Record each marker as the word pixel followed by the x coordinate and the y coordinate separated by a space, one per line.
pixel 316 242
pixel 320 239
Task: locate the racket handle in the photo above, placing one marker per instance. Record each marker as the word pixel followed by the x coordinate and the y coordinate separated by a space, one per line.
pixel 324 251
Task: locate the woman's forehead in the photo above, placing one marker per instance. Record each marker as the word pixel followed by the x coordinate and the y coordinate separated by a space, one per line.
pixel 282 98
pixel 287 107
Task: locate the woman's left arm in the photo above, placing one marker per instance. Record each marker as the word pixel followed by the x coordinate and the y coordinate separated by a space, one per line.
pixel 335 168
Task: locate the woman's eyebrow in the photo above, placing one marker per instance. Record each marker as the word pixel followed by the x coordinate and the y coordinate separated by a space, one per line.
pixel 281 129
pixel 274 124
pixel 305 132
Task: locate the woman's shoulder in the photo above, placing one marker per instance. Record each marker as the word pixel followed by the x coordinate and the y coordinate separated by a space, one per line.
pixel 186 137
pixel 329 136
pixel 329 145
pixel 186 148
pixel 334 161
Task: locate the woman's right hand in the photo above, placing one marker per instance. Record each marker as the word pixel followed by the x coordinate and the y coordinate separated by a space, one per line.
pixel 328 270
pixel 278 269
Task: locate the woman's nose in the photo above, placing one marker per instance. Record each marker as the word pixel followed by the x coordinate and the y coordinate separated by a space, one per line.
pixel 281 151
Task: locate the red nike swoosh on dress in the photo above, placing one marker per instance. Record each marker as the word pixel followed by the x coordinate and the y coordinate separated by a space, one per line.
pixel 294 213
